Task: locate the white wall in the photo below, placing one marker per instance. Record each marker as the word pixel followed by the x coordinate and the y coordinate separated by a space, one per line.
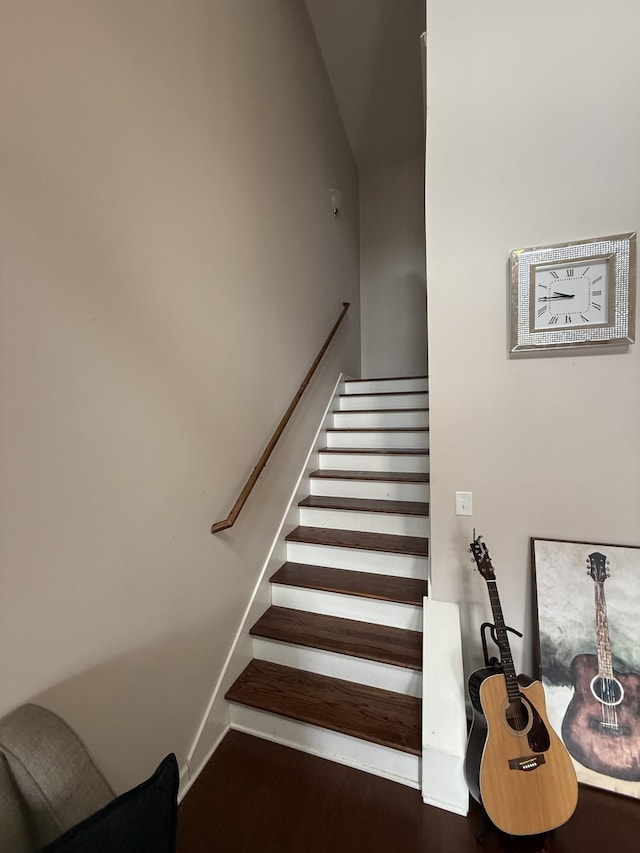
pixel 533 137
pixel 170 268
pixel 392 270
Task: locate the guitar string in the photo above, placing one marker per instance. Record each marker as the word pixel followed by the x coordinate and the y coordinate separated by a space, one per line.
pixel 517 715
pixel 609 713
pixel 516 712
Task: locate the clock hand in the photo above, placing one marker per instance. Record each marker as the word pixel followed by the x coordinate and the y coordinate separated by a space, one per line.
pixel 556 296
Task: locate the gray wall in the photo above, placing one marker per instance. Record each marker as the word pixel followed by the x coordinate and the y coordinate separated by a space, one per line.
pixel 170 269
pixel 392 270
pixel 522 153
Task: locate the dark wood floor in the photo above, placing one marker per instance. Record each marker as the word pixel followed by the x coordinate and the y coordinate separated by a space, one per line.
pixel 257 797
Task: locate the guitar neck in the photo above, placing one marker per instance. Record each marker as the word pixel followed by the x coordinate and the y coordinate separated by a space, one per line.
pixel 506 658
pixel 603 643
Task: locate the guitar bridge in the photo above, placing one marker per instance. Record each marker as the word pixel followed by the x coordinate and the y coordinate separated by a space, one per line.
pixel 613 728
pixel 526 763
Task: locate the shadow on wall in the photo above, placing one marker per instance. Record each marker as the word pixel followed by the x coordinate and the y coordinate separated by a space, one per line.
pixel 398 60
pixel 124 709
pixel 407 307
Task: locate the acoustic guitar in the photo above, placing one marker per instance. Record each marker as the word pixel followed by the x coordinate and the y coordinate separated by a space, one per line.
pixel 516 765
pixel 601 726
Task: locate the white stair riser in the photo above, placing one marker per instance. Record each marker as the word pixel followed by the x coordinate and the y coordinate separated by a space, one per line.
pixel 413 440
pixel 360 671
pixel 372 758
pixel 349 402
pixel 406 616
pixel 381 386
pixel 353 420
pixel 375 489
pixel 371 522
pixel 411 464
pixel 380 562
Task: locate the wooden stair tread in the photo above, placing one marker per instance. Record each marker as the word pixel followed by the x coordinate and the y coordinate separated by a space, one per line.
pixel 366 505
pixel 345 582
pixel 383 476
pixel 362 540
pixel 377 429
pixel 376 411
pixel 369 713
pixel 388 378
pixel 379 451
pixel 385 393
pixel 382 643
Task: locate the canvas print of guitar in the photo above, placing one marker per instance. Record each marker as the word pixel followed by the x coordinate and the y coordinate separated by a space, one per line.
pixel 589 656
pixel 601 726
pixel 516 765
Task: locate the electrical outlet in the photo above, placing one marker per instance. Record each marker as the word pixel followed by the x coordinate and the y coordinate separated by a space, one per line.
pixel 464 503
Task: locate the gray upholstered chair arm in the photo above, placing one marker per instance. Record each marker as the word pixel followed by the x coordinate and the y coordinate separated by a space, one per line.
pixel 53 771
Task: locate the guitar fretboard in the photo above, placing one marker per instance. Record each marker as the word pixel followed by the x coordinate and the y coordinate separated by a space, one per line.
pixel 603 643
pixel 506 658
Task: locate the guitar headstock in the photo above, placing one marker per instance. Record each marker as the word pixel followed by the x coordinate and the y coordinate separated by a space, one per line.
pixel 482 558
pixel 598 567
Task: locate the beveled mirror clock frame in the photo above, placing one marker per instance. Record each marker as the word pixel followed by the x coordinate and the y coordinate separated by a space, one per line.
pixel 619 251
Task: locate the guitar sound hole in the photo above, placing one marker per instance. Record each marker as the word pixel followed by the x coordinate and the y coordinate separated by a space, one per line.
pixel 609 691
pixel 517 715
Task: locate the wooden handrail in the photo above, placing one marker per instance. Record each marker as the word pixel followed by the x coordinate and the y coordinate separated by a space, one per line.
pixel 230 520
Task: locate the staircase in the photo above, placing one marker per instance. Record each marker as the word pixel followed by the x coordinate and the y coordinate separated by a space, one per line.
pixel 338 655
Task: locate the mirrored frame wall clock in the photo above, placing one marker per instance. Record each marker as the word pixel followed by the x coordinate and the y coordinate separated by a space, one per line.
pixel 574 295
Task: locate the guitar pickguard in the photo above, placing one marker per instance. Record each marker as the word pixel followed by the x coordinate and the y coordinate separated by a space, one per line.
pixel 538 734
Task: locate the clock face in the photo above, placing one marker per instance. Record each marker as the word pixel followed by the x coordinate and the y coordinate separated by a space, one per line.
pixel 571 295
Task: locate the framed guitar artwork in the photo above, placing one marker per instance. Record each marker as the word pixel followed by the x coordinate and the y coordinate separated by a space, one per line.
pixel 588 602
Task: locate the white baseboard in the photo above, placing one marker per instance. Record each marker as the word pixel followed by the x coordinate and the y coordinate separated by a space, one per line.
pixel 187 778
pixel 443 783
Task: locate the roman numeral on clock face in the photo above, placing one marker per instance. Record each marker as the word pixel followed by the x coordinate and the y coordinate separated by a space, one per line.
pixel 553 320
pixel 570 273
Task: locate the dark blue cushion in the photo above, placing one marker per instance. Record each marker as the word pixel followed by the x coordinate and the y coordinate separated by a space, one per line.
pixel 143 820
